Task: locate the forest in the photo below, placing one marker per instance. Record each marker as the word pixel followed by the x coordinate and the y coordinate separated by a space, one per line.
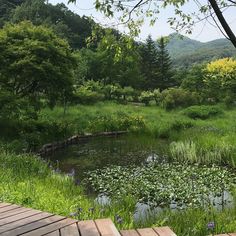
pixel 62 74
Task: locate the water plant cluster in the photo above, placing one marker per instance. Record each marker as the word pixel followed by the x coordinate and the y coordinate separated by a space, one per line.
pixel 166 184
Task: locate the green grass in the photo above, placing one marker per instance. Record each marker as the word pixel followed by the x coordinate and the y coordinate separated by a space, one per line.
pixel 158 122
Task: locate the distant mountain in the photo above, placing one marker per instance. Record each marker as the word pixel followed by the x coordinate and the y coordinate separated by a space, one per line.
pixel 186 52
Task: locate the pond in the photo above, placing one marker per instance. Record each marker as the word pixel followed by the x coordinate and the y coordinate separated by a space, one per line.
pixel 138 166
pixel 96 153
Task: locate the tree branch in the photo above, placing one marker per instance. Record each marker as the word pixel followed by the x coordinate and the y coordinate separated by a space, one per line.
pixel 223 22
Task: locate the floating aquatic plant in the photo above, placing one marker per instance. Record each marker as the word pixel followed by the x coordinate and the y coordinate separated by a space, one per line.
pixel 164 184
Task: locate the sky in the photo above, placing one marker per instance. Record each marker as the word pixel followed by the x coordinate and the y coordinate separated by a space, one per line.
pixel 203 31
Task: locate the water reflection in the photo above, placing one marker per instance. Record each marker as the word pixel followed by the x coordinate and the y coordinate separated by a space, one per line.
pixel 103 200
pixel 145 211
pixel 100 152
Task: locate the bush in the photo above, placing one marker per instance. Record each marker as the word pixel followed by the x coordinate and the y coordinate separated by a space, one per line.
pixel 146 97
pixel 157 96
pixel 127 92
pixel 202 112
pixel 85 95
pixel 116 122
pixel 178 97
pixel 111 90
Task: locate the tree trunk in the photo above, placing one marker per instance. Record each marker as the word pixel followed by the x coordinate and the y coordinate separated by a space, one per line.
pixel 223 22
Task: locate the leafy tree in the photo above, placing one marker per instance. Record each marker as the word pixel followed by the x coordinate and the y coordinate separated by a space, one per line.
pixel 35 63
pixel 116 60
pixel 149 63
pixel 6 8
pixel 220 78
pixel 81 71
pixel 165 74
pixel 193 79
pixel 64 22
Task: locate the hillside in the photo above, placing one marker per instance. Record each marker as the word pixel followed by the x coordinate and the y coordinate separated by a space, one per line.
pixel 185 51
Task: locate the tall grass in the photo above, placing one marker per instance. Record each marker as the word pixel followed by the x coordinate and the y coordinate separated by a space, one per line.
pixel 184 152
pixel 191 152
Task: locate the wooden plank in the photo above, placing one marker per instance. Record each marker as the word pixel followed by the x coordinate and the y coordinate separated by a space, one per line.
pixel 18 217
pixel 2 204
pixel 106 227
pixel 164 231
pixel 34 225
pixel 131 232
pixel 25 221
pixel 8 208
pixel 55 233
pixel 13 212
pixel 50 228
pixel 88 228
pixel 71 230
pixel 147 232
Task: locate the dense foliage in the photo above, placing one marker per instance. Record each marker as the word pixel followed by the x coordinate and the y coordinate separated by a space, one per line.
pixel 35 64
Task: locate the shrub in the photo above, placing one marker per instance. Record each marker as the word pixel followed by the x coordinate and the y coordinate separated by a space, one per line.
pixel 127 92
pixel 116 122
pixel 157 96
pixel 202 112
pixel 110 90
pixel 178 97
pixel 146 97
pixel 85 95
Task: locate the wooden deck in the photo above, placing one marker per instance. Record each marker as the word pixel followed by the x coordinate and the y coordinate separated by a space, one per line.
pixel 16 220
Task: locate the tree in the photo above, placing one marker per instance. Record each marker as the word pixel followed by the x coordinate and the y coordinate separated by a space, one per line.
pixel 165 75
pixel 181 21
pixel 116 60
pixel 220 79
pixel 35 63
pixel 149 63
pixel 6 7
pixel 193 79
pixel 64 22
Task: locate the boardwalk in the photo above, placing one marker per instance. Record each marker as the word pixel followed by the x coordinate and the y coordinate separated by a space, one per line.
pixel 16 220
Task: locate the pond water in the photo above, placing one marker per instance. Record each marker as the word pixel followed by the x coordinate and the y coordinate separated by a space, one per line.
pixel 136 155
pixel 96 153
